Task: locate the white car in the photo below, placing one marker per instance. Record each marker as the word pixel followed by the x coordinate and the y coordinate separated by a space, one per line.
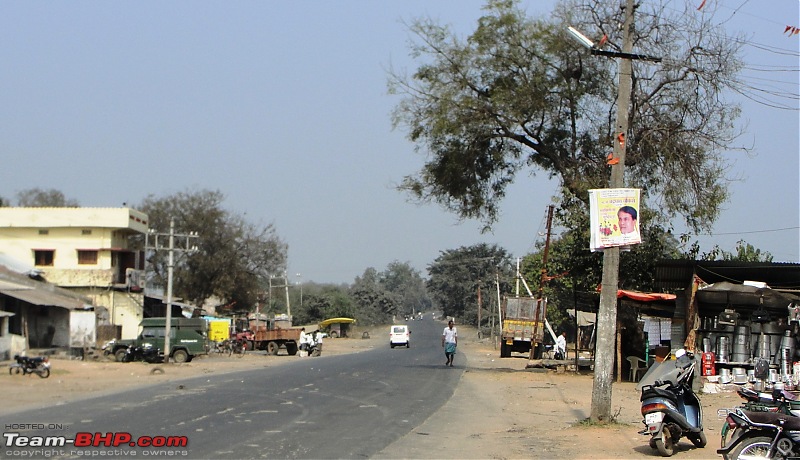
pixel 399 335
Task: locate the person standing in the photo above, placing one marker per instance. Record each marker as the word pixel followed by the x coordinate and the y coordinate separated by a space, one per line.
pixel 450 342
pixel 561 346
pixel 318 339
pixel 303 341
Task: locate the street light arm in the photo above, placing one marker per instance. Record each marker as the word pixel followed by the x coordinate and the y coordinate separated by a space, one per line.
pixel 617 54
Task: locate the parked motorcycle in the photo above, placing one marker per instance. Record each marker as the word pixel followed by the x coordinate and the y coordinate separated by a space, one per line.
pixel 146 353
pixel 314 349
pixel 762 435
pixel 670 408
pixel 39 365
pixel 779 400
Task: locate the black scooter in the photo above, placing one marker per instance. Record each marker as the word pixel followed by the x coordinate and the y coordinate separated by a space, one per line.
pixel 670 408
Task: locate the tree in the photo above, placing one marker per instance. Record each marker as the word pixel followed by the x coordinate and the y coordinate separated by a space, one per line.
pixel 39 198
pixel 575 273
pixel 455 275
pixel 745 252
pixel 235 257
pixel 408 286
pixel 375 304
pixel 328 302
pixel 517 95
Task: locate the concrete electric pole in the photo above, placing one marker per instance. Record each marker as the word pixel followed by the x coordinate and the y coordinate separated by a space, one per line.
pixel 607 313
pixel 170 267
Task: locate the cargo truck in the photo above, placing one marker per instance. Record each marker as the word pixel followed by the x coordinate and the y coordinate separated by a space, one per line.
pixel 269 334
pixel 522 324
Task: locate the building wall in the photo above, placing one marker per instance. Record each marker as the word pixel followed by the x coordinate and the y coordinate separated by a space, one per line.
pixel 124 308
pixel 65 232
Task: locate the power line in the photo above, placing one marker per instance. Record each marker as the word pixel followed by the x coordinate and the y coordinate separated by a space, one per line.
pixel 746 233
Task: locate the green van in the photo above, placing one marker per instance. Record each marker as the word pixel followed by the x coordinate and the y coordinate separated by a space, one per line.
pixel 188 337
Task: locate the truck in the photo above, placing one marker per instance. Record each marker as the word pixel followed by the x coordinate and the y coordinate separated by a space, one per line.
pixel 188 338
pixel 269 334
pixel 522 324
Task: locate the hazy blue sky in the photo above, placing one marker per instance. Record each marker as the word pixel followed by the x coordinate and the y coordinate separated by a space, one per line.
pixel 282 106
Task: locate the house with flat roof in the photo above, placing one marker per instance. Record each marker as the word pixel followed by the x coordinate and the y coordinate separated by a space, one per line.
pixel 85 250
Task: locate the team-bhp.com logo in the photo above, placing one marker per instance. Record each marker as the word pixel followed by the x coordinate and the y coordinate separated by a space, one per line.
pixel 84 439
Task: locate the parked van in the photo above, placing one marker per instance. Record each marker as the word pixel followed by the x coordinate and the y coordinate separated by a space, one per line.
pixel 399 335
pixel 188 337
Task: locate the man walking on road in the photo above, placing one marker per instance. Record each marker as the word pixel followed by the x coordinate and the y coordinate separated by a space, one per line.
pixel 450 342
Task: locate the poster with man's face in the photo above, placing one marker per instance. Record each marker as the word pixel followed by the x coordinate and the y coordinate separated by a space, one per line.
pixel 614 214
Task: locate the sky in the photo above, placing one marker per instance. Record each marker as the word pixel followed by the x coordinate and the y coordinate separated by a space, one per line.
pixel 283 107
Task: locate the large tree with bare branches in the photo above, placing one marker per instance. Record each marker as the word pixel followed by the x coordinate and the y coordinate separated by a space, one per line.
pixel 517 95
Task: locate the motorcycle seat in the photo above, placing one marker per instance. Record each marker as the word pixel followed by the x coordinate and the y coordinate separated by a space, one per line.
pixel 790 422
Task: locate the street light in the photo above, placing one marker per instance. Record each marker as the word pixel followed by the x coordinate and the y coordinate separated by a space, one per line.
pixel 594 50
pixel 582 39
pixel 606 323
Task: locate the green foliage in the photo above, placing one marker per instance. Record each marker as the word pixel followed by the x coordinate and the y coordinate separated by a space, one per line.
pixel 408 286
pixel 517 95
pixel 235 258
pixel 375 304
pixel 397 291
pixel 329 302
pixel 576 272
pixel 456 274
pixel 745 252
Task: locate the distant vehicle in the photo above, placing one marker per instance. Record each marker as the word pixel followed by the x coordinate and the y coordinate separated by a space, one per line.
pixel 399 335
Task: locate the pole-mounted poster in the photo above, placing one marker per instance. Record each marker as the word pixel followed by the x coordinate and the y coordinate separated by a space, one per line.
pixel 614 217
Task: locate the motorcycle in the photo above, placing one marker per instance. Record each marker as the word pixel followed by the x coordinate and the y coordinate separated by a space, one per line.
pixel 670 408
pixel 146 353
pixel 39 365
pixel 780 401
pixel 761 435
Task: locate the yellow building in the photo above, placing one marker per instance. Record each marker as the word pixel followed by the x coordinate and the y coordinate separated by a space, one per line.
pixel 85 250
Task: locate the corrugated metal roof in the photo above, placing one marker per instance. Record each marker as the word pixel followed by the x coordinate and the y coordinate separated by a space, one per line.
pixel 677 274
pixel 39 293
pixel 40 296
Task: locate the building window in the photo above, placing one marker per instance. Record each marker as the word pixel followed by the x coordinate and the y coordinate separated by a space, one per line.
pixel 86 232
pixel 44 257
pixel 44 232
pixel 87 257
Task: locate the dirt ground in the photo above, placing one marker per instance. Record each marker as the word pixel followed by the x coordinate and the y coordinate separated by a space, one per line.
pixel 500 410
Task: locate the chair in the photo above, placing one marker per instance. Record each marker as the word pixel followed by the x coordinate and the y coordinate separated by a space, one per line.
pixel 635 369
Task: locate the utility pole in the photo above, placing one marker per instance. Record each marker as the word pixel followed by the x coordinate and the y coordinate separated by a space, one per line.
pixel 607 313
pixel 170 267
pixel 541 304
pixel 285 285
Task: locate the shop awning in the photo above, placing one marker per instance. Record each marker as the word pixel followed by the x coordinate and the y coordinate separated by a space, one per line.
pixel 743 295
pixel 644 296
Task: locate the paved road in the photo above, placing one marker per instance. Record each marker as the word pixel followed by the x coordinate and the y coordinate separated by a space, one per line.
pixel 347 406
